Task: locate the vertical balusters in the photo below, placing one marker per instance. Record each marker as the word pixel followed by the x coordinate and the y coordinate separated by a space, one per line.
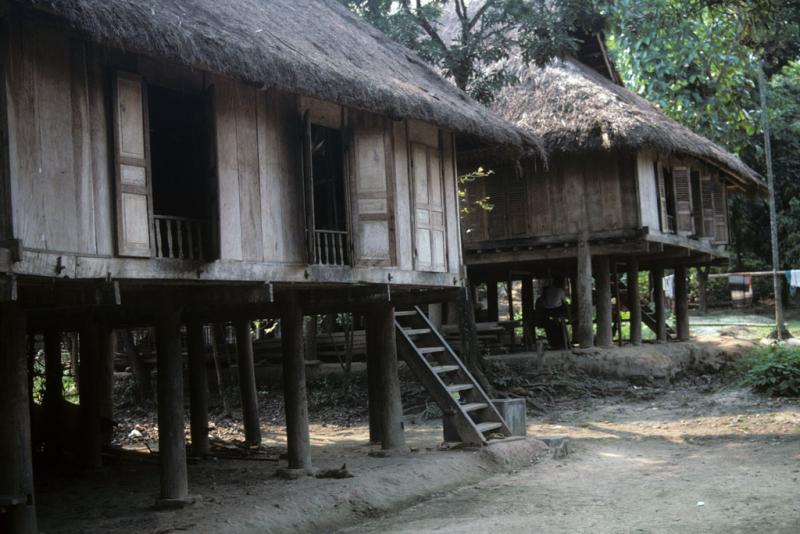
pixel 170 249
pixel 190 227
pixel 179 226
pixel 157 224
pixel 339 250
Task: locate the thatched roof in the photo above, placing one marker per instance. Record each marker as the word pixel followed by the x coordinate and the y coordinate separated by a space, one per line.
pixel 308 47
pixel 576 109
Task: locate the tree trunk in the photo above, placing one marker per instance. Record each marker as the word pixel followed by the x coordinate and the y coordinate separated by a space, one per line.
pixel 141 370
pixel 469 340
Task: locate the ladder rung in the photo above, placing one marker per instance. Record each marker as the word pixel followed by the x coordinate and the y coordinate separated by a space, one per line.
pixel 430 350
pixel 487 427
pixel 416 331
pixel 439 369
pixel 474 406
pixel 405 313
pixel 459 387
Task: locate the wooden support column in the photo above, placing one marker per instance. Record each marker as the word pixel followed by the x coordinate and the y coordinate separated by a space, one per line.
pixel 198 388
pixel 634 301
pixel 16 470
pixel 310 338
pixel 435 315
pixel 527 311
pixel 380 324
pixel 604 321
pixel 89 404
pixel 54 389
pixel 584 337
pixel 491 301
pixel 681 303
pixel 373 385
pixel 105 381
pixel 658 297
pixel 171 440
pixel 247 382
pixel 294 383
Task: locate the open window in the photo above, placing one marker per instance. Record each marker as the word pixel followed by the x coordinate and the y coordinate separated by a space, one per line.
pixel 163 173
pixel 682 188
pixel 666 197
pixel 326 195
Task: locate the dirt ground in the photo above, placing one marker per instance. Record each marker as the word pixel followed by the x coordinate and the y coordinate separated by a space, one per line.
pixel 693 458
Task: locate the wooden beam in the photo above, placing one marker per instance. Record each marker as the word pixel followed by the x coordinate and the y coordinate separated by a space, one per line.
pixel 198 388
pixel 171 440
pixel 681 303
pixel 247 382
pixel 603 304
pixel 294 383
pixel 16 468
pixel 634 302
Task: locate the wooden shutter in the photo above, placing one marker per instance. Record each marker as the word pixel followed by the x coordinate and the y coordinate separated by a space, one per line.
pixel 374 223
pixel 707 195
pixel 662 198
pixel 720 212
pixel 430 246
pixel 132 169
pixel 308 184
pixel 517 206
pixel 682 184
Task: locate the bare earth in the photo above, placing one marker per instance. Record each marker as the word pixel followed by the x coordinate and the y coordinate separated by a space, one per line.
pixel 688 460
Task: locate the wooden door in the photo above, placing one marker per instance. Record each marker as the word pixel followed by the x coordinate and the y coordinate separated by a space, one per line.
pixel 430 231
pixel 373 224
pixel 132 168
pixel 720 212
pixel 682 187
pixel 663 214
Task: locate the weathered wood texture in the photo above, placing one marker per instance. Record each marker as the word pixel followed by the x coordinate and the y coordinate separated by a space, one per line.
pixel 681 303
pixel 584 328
pixel 602 276
pixel 16 470
pixel 247 382
pixel 294 384
pixel 381 339
pixel 198 388
pixel 658 297
pixel 634 302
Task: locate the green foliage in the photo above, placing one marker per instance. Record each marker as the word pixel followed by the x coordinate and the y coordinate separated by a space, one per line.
pixel 467 205
pixel 468 41
pixel 774 371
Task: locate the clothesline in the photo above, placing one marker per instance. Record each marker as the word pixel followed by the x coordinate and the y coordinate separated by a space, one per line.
pixel 749 273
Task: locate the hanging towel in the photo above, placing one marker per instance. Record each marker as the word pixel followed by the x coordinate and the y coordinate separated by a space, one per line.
pixel 793 278
pixel 669 286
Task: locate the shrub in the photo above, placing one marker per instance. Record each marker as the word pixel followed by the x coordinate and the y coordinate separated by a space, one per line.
pixel 773 370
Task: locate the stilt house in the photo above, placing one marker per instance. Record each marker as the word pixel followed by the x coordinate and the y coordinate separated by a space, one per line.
pixel 183 162
pixel 625 188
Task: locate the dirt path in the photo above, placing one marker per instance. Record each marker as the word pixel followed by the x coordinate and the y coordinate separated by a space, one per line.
pixel 686 461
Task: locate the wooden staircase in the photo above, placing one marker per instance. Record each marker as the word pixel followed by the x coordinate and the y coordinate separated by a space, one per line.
pixel 453 388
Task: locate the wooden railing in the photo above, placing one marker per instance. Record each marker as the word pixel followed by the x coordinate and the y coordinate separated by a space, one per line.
pixel 331 247
pixel 178 237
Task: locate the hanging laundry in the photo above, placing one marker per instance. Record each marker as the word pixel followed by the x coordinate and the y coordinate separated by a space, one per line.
pixel 741 286
pixel 793 278
pixel 669 286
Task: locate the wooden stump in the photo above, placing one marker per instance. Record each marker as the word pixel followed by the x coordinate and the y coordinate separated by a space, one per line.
pixel 198 388
pixel 247 382
pixel 16 470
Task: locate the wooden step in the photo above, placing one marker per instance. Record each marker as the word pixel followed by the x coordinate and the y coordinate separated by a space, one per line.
pixel 405 313
pixel 430 350
pixel 440 369
pixel 459 387
pixel 488 427
pixel 474 406
pixel 416 331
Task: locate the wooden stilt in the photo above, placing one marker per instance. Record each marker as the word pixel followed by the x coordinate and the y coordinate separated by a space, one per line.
pixel 310 338
pixel 89 404
pixel 294 384
pixel 435 315
pixel 198 388
pixel 247 383
pixel 681 304
pixel 373 384
pixel 527 312
pixel 491 301
pixel 105 381
pixel 603 305
pixel 381 322
pixel 634 301
pixel 16 471
pixel 584 293
pixel 54 389
pixel 658 297
pixel 171 440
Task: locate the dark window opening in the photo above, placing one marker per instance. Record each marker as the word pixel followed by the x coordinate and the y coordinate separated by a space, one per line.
pixel 697 205
pixel 181 173
pixel 331 242
pixel 669 187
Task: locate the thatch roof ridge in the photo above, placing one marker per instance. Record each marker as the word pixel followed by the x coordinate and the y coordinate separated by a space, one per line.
pixel 310 47
pixel 575 109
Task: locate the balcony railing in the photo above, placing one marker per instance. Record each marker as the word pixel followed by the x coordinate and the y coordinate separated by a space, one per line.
pixel 331 247
pixel 178 237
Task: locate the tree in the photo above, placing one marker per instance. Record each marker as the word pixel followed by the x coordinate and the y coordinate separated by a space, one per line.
pixel 469 41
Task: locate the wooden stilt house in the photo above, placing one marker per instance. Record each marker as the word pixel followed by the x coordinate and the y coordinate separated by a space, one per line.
pixel 625 188
pixel 178 163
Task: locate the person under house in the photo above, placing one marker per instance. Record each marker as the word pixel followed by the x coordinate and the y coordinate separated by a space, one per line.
pixel 551 310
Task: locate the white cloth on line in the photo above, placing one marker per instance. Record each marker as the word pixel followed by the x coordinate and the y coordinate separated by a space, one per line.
pixel 669 286
pixel 794 278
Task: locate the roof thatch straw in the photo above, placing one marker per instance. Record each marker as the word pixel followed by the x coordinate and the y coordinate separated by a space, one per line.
pixel 576 109
pixel 308 47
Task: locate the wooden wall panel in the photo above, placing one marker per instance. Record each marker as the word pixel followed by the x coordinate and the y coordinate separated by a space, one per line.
pixel 230 225
pixel 451 203
pixel 102 177
pixel 248 163
pixel 403 231
pixel 628 191
pixel 648 191
pixel 82 149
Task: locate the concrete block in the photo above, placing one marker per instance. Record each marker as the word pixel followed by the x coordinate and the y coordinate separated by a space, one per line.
pixel 513 411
